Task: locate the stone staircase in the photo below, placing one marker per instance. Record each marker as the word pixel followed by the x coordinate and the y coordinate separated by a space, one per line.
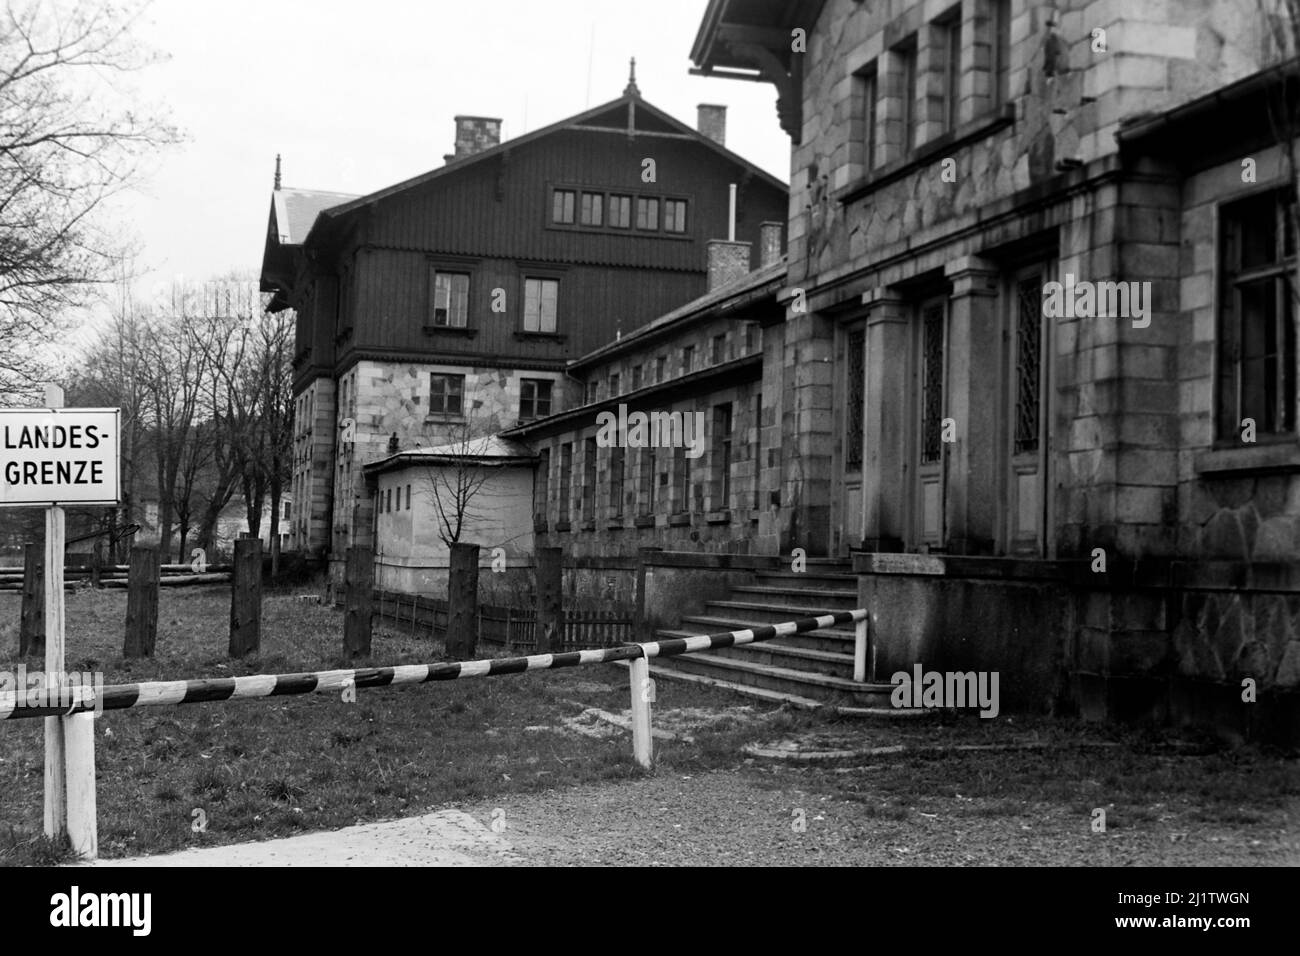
pixel 809 670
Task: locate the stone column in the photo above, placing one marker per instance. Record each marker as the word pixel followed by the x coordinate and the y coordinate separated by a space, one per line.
pixel 974 400
pixel 886 418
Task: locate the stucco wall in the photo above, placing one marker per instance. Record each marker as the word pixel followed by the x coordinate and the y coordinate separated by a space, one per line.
pixel 410 554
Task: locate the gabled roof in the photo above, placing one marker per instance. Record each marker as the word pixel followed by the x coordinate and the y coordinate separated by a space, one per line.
pixel 296 210
pixel 649 120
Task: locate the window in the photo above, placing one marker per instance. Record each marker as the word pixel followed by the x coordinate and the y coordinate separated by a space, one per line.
pixel 647 213
pixel 951 33
pixel 566 481
pixel 562 203
pixel 408 497
pixel 853 418
pixel 1028 375
pixel 541 485
pixel 722 456
pixel 446 394
pixel 286 509
pixel 752 340
pixel 589 480
pixel 636 377
pixel 688 359
pixel 613 384
pixel 1257 333
pixel 865 82
pixel 682 479
pixel 616 457
pixel 540 298
pixel 647 462
pixel 450 299
pixel 757 415
pixel 620 212
pixel 591 392
pixel 907 68
pixel 534 397
pixel 675 215
pixel 932 369
pixel 388 500
pixel 1001 10
pixel 593 207
pixel 661 368
pixel 719 349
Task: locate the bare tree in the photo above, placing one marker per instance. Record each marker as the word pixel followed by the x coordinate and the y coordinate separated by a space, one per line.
pixel 458 481
pixel 113 375
pixel 69 138
pixel 249 398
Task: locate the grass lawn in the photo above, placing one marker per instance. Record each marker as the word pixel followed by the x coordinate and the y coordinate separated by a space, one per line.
pixel 205 774
pixel 264 768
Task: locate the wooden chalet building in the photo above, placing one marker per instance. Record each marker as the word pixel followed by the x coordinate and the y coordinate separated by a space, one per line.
pixel 446 307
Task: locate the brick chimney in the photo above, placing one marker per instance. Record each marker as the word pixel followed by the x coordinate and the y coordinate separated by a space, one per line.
pixel 769 244
pixel 473 135
pixel 712 122
pixel 728 261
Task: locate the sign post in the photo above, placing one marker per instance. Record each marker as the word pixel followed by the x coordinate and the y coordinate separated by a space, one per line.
pixel 49 457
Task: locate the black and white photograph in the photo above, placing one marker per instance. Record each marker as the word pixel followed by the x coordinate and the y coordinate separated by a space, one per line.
pixel 627 434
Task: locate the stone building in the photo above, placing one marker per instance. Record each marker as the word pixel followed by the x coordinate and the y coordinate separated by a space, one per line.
pixel 690 475
pixel 1037 297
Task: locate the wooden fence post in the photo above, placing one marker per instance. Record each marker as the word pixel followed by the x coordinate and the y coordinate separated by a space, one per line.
pixel 246 598
pixel 141 603
pixel 462 602
pixel 641 626
pixel 359 610
pixel 550 599
pixel 97 563
pixel 31 626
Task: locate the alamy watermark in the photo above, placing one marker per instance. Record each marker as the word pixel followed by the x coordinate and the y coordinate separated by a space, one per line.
pixel 951 689
pixel 651 430
pixel 56 690
pixel 1098 300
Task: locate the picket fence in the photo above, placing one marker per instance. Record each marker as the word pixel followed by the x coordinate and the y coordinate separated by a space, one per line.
pixel 511 628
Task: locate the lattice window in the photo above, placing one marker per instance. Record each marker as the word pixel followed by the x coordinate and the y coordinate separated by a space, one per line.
pixel 932 382
pixel 1029 335
pixel 856 372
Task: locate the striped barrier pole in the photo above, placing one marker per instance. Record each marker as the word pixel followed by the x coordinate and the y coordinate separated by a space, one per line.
pixel 166 693
pixel 80 703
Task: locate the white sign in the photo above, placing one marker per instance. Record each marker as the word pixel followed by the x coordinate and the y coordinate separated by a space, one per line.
pixel 54 456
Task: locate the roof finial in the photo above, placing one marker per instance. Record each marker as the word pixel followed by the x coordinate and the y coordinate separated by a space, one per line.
pixel 277 170
pixel 631 88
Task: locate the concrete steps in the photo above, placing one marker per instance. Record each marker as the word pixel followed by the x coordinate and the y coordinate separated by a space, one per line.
pixel 811 669
pixel 836 640
pixel 827 688
pixel 824 598
pixel 778 654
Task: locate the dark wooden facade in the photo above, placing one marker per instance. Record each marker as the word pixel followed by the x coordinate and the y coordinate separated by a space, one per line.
pixel 362 281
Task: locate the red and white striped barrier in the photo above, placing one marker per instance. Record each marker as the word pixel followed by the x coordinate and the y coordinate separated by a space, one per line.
pixel 78 706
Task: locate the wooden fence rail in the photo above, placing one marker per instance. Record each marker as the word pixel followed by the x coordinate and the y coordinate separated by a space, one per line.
pixel 508 628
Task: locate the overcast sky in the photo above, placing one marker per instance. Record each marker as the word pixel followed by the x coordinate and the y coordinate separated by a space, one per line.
pixel 359 95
